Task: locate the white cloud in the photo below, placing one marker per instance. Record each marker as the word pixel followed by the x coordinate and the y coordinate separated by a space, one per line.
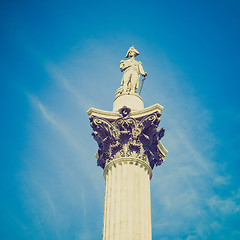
pixel 185 204
pixel 82 98
pixel 230 205
pixel 51 118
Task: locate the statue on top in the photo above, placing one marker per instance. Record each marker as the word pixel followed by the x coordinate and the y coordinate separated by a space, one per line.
pixel 132 70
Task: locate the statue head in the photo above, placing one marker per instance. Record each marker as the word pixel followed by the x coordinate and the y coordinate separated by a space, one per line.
pixel 130 51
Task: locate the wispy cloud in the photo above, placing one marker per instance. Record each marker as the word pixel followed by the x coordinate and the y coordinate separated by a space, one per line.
pixel 57 176
pixel 82 98
pixel 186 195
pixel 51 118
pixel 227 206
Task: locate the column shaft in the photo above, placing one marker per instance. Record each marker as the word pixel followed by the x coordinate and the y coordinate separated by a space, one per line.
pixel 127 213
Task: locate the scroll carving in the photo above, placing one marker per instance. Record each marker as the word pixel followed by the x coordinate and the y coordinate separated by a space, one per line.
pixel 128 137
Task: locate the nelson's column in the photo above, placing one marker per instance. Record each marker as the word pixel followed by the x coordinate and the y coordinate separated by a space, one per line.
pixel 128 149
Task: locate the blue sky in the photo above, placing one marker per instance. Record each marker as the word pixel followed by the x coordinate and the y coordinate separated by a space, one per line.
pixel 59 58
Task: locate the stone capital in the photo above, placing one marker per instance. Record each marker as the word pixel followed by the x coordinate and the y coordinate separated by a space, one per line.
pixel 128 135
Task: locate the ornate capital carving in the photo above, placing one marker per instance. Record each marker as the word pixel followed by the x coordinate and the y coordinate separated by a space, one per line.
pixel 128 137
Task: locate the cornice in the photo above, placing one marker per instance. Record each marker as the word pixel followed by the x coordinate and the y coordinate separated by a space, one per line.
pixel 112 116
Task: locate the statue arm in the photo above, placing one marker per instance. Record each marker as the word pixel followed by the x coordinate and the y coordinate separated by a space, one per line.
pixel 123 65
pixel 143 73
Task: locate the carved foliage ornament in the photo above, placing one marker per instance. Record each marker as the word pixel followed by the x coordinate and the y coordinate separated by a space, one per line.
pixel 128 137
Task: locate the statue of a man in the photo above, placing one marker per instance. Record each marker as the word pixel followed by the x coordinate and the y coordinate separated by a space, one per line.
pixel 132 70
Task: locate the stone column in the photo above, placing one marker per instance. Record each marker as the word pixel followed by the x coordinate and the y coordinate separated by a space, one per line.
pixel 129 148
pixel 127 212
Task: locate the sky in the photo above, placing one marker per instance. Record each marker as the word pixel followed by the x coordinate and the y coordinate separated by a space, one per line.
pixel 60 58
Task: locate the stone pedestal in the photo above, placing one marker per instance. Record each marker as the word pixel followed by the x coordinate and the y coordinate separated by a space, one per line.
pixel 129 148
pixel 130 100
